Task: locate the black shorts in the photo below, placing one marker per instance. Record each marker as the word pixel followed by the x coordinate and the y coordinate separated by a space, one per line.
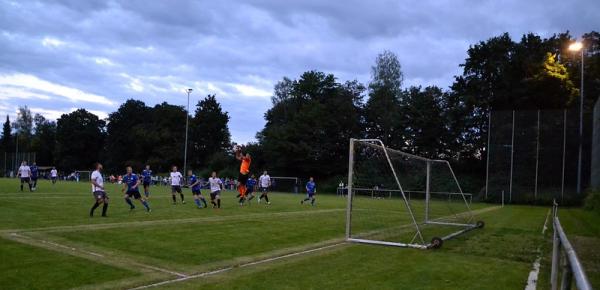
pixel 175 188
pixel 135 193
pixel 242 178
pixel 196 191
pixel 146 183
pixel 25 179
pixel 264 189
pixel 249 190
pixel 99 194
pixel 34 178
pixel 214 194
pixel 53 177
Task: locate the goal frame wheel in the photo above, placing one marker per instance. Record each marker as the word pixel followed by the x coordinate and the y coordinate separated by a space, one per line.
pixel 480 224
pixel 436 243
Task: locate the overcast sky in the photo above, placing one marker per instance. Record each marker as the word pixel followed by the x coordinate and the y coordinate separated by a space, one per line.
pixel 56 56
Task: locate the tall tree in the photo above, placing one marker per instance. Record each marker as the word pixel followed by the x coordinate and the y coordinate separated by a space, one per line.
pixel 127 141
pixel 167 136
pixel 23 126
pixel 44 140
pixel 6 141
pixel 382 111
pixel 79 140
pixel 209 131
pixel 311 119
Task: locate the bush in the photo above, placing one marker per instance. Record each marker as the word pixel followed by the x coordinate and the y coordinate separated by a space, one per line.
pixel 592 200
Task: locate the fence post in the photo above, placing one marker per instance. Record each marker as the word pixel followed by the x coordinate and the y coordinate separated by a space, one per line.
pixel 537 157
pixel 567 275
pixel 555 248
pixel 512 154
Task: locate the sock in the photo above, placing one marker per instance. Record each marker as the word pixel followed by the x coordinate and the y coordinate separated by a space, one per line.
pixel 251 197
pixel 213 202
pixel 242 199
pixel 128 201
pixel 21 186
pixel 267 198
pixel 174 198
pixel 94 208
pixel 204 201
pixel 181 194
pixel 238 195
pixel 104 208
pixel 307 199
pixel 147 193
pixel 145 203
pixel 312 201
pixel 261 196
pixel 29 186
pixel 197 201
pixel 219 203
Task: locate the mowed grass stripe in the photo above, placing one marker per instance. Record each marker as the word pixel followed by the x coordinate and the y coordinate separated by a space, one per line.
pixel 127 224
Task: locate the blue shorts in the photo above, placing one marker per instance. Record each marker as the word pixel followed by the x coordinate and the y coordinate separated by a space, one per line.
pixel 146 183
pixel 135 193
pixel 196 191
pixel 310 194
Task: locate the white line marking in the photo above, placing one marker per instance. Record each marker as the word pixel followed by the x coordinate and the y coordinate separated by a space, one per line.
pixel 96 254
pixel 232 267
pixel 535 271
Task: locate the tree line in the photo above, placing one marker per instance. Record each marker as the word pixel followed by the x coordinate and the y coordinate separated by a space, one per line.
pixel 313 116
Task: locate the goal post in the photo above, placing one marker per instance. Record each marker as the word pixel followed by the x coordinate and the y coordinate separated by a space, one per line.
pixel 400 199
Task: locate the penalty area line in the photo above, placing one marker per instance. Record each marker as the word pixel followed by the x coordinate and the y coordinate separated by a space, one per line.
pixel 249 264
pixel 67 249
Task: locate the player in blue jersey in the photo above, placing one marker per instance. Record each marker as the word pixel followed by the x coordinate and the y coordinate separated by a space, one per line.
pixel 311 190
pixel 250 186
pixel 34 176
pixel 131 189
pixel 147 179
pixel 195 185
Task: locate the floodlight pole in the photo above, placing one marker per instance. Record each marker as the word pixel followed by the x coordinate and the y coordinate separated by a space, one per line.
pixel 349 188
pixel 580 127
pixel 187 121
pixel 537 157
pixel 564 152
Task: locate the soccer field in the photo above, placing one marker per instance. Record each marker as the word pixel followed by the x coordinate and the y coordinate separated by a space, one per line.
pixel 48 241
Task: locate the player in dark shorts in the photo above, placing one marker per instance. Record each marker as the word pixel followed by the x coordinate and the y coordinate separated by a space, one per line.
pixel 311 190
pixel 176 179
pixel 215 185
pixel 147 178
pixel 34 176
pixel 98 190
pixel 250 186
pixel 195 185
pixel 131 188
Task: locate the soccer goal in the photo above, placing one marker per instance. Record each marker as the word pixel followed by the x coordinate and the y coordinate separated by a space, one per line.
pixel 379 210
pixel 285 184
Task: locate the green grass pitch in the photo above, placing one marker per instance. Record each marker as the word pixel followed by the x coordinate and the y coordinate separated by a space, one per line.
pixel 48 241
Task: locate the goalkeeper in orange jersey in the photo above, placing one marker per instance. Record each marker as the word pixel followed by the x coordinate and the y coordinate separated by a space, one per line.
pixel 244 172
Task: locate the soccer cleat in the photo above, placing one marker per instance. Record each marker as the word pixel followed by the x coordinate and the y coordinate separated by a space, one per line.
pixel 269 203
pixel 183 202
pixel 302 202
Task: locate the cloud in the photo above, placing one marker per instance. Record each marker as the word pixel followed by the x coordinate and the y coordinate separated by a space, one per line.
pixel 31 83
pixel 55 114
pixel 52 42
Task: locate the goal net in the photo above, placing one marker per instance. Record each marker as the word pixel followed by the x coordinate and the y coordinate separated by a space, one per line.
pixel 400 199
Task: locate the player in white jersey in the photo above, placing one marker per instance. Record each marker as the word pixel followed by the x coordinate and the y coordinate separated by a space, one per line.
pixel 176 179
pixel 265 182
pixel 98 190
pixel 216 185
pixel 53 175
pixel 25 173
